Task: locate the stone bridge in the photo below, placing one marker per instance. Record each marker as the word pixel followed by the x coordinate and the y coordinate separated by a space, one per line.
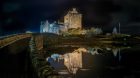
pixel 18 41
pixel 15 55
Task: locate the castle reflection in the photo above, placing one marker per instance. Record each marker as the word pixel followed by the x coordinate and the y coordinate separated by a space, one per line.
pixel 79 59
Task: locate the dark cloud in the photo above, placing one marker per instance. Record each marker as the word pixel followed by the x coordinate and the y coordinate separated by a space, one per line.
pixel 10 7
pixel 19 15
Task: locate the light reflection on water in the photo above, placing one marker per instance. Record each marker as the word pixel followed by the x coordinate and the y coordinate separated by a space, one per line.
pixel 82 61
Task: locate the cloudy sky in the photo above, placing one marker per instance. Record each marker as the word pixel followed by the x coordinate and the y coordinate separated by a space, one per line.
pixel 23 15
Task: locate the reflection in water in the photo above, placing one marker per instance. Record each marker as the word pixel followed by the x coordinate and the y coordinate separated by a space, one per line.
pixel 87 60
pixel 93 51
pixel 115 52
pixel 73 61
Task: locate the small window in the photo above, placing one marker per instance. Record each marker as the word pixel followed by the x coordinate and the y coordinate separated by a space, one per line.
pixel 66 18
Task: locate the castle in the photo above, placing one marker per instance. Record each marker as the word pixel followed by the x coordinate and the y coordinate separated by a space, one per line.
pixel 72 20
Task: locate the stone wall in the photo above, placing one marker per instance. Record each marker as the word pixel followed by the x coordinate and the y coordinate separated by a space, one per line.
pixel 73 19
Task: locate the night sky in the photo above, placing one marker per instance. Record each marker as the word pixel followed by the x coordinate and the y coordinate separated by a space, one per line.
pixel 22 15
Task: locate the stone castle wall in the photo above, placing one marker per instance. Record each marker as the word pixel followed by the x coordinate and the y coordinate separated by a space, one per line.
pixel 73 19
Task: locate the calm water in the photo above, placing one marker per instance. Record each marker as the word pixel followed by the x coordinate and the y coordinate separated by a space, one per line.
pixel 14 64
pixel 74 61
pixel 97 62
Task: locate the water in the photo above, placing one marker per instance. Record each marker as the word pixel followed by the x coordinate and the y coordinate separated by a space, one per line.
pixel 72 60
pixel 96 61
pixel 15 63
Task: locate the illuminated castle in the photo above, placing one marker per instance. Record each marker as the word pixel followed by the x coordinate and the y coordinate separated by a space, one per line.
pixel 72 19
pixel 49 27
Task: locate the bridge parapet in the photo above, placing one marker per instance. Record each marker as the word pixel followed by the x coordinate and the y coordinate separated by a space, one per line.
pixel 8 40
pixel 39 42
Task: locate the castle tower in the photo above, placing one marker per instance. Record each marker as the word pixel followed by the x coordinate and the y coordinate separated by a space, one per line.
pixel 114 30
pixel 73 19
pixel 44 27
